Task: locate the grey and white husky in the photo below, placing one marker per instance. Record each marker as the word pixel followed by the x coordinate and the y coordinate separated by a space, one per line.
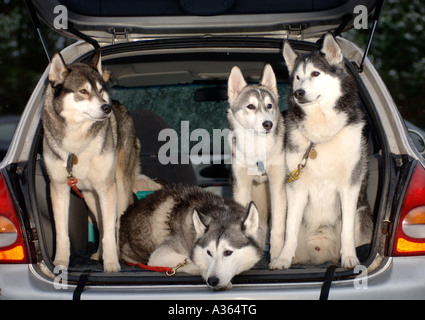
pixel 326 157
pixel 89 141
pixel 258 162
pixel 181 222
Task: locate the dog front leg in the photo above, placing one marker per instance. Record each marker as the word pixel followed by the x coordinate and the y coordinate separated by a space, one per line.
pixel 278 210
pixel 109 206
pixel 242 185
pixel 349 197
pixel 60 195
pixel 297 201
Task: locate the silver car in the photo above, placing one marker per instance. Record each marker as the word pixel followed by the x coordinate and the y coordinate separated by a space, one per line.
pixel 168 62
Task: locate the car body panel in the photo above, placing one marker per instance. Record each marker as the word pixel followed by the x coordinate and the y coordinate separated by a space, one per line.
pixel 400 277
pixel 130 21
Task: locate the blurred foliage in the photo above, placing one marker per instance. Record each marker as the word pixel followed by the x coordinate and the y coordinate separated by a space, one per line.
pixel 398 53
pixel 22 58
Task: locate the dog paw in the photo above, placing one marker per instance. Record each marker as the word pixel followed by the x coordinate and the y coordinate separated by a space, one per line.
pixel 61 263
pixel 349 262
pixel 275 251
pixel 280 264
pixel 111 266
pixel 96 256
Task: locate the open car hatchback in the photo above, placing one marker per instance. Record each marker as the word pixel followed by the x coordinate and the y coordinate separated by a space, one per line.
pixel 168 64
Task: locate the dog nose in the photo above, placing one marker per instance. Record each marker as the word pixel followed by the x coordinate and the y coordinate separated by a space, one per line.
pixel 213 281
pixel 106 108
pixel 300 93
pixel 267 125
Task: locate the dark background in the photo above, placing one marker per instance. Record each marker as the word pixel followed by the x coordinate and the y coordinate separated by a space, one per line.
pixel 398 53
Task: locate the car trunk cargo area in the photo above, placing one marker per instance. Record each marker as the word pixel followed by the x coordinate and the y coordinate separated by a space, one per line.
pixel 179 84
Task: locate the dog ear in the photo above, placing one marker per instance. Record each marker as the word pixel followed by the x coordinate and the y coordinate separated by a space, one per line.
pixel 269 79
pixel 331 50
pixel 200 222
pixel 96 62
pixel 251 222
pixel 235 84
pixel 58 70
pixel 289 55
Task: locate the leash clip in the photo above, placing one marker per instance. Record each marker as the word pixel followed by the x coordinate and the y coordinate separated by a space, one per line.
pixel 173 270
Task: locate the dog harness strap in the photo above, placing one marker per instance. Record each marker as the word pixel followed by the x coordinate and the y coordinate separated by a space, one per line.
pixel 326 286
pixel 82 280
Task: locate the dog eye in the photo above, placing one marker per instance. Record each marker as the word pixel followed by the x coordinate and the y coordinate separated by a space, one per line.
pixel 209 253
pixel 84 91
pixel 250 107
pixel 298 78
pixel 101 91
pixel 315 73
pixel 269 106
pixel 227 253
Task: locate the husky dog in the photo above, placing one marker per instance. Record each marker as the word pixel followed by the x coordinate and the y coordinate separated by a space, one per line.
pixel 89 144
pixel 258 162
pixel 182 222
pixel 326 158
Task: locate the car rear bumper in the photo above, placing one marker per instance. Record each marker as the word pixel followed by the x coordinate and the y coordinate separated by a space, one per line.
pixel 399 278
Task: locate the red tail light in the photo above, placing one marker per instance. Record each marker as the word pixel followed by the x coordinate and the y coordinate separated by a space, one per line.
pixel 410 237
pixel 12 245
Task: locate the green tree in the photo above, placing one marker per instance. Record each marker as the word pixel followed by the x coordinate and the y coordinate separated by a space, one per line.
pixel 398 53
pixel 22 58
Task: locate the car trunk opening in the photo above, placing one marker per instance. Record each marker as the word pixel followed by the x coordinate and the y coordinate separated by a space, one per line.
pixel 181 84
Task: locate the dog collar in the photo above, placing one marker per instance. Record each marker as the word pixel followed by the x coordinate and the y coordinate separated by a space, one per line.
pixel 310 153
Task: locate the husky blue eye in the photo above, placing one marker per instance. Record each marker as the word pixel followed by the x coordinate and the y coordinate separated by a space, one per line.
pixel 250 107
pixel 227 253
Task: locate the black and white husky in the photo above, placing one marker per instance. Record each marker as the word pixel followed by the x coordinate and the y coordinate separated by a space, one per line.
pixel 258 162
pixel 89 145
pixel 326 157
pixel 177 223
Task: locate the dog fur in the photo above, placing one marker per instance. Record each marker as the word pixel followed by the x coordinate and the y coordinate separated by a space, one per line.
pixel 258 162
pixel 79 118
pixel 328 213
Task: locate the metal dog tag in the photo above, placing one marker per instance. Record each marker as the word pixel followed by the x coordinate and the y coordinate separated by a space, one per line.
pixel 260 167
pixel 312 154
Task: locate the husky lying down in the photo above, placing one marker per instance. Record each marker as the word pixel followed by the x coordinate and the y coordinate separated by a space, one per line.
pixel 181 222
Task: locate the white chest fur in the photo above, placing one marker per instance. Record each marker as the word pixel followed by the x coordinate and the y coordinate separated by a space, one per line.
pixel 335 159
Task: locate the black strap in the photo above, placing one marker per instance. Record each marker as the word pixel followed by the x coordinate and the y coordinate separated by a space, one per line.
pixel 326 286
pixel 81 285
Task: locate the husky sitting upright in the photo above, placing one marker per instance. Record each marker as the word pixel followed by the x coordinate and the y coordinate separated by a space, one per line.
pixel 258 162
pixel 179 223
pixel 89 143
pixel 326 158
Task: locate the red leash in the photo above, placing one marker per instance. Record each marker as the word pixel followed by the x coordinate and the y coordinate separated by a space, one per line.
pixel 72 182
pixel 168 271
pixel 149 268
